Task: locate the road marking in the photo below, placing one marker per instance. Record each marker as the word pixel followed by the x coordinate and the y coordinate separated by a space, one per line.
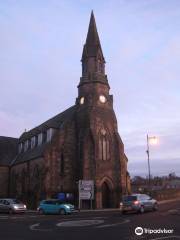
pixel 113 224
pixel 79 223
pixel 177 237
pixel 34 228
pixel 172 211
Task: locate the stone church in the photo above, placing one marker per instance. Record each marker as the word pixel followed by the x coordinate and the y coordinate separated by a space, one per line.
pixel 80 143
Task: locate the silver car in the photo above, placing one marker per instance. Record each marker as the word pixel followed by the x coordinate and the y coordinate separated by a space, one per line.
pixel 11 205
pixel 138 203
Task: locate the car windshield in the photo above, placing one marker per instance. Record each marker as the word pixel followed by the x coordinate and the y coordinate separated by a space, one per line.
pixel 129 198
pixel 16 201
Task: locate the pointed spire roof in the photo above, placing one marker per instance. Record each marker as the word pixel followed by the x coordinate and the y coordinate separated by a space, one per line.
pixel 92 36
pixel 92 44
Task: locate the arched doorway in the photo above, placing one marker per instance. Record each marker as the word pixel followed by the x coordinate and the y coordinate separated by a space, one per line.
pixel 106 196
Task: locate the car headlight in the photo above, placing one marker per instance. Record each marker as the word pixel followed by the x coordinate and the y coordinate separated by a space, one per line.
pixel 67 206
pixel 24 206
pixel 15 207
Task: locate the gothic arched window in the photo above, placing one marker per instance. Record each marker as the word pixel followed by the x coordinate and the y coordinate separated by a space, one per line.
pixel 104 146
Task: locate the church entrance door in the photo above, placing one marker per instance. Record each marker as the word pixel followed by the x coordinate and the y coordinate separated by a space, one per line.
pixel 106 196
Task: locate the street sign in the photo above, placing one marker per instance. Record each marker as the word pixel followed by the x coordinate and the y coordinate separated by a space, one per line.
pixel 85 195
pixel 86 189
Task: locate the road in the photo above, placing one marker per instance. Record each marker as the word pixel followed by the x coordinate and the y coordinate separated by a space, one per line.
pixel 105 225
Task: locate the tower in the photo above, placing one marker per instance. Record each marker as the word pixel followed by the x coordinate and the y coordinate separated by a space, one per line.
pixel 93 80
pixel 100 149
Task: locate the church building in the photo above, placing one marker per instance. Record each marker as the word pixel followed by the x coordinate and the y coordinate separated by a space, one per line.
pixel 81 143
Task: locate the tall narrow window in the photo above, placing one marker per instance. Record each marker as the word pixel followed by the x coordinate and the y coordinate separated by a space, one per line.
pixel 20 147
pixel 26 145
pixel 49 134
pixel 84 68
pixel 44 136
pixel 40 137
pixel 104 146
pixel 33 142
pixel 62 164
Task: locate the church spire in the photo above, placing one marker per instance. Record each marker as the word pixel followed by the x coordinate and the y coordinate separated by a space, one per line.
pixel 92 36
pixel 92 45
pixel 93 62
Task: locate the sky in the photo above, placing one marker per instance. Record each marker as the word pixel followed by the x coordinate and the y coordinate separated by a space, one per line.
pixel 41 44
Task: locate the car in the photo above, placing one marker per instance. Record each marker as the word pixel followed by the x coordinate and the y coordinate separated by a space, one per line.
pixel 12 205
pixel 55 206
pixel 138 203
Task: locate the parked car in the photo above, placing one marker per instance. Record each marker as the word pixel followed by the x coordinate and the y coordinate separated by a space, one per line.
pixel 54 206
pixel 11 205
pixel 138 203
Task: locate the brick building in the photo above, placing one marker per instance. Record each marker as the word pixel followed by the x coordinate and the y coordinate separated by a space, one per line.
pixel 80 143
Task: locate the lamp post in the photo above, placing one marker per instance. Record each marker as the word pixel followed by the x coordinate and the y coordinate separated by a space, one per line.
pixel 152 140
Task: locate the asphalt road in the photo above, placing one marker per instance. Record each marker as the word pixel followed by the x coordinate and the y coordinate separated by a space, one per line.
pixel 105 225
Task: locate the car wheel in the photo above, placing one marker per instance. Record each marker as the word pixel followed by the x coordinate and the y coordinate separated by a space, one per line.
pixel 62 211
pixel 41 211
pixel 155 207
pixel 141 210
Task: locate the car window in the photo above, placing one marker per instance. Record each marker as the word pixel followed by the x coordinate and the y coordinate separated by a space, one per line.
pixel 49 202
pixel 6 202
pixel 129 198
pixel 144 197
pixel 60 202
pixel 16 201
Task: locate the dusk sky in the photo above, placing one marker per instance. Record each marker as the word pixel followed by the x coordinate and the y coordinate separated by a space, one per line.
pixel 41 43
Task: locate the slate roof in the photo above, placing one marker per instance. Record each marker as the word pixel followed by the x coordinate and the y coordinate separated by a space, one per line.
pixel 8 150
pixel 56 122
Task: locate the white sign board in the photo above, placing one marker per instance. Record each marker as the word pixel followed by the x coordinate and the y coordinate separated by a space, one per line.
pixel 86 189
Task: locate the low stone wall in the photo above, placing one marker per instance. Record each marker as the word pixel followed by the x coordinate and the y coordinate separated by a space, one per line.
pixel 166 194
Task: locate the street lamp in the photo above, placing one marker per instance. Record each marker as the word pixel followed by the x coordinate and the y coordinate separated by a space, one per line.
pixel 150 140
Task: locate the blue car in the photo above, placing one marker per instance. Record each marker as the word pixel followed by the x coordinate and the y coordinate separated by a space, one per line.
pixel 54 206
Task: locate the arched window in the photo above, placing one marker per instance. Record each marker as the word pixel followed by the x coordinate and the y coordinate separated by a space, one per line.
pixel 104 146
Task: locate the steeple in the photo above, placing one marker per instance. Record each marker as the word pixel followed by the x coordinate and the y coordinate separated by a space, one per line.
pixel 93 62
pixel 92 45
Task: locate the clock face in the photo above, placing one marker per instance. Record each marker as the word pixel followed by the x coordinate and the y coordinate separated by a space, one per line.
pixel 82 100
pixel 102 99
